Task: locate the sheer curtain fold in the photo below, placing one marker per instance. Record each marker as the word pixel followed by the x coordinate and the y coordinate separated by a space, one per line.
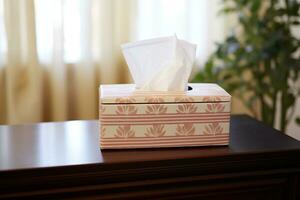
pixel 84 70
pixel 22 73
pixel 115 18
pixel 45 77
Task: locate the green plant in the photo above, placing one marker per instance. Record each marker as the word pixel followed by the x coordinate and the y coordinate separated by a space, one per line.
pixel 259 62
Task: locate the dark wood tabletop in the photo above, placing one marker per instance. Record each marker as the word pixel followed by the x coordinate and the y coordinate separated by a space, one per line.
pixel 63 159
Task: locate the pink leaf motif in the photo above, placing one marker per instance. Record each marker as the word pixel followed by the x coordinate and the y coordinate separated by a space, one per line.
pixel 124 132
pixel 156 109
pixel 186 108
pixel 211 99
pixel 102 131
pixel 209 107
pixel 125 100
pixel 157 130
pixel 126 110
pixel 213 129
pixel 219 107
pixel 184 99
pixel 154 99
pixel 185 130
pixel 215 107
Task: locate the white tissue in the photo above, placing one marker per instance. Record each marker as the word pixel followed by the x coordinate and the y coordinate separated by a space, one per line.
pixel 161 64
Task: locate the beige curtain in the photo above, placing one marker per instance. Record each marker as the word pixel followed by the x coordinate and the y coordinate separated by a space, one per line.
pixel 52 89
pixel 39 81
pixel 21 77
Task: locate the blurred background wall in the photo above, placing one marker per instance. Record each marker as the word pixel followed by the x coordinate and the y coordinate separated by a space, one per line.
pixel 55 53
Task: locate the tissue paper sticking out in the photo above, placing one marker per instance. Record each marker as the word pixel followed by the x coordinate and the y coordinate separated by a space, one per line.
pixel 162 64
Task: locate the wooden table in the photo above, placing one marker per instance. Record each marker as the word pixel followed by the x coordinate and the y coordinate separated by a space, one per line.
pixel 63 160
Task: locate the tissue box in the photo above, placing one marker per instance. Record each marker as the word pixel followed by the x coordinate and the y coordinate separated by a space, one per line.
pixel 136 119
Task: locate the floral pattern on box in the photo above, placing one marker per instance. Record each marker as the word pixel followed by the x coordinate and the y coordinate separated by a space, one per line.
pixel 186 108
pixel 211 99
pixel 165 99
pixel 213 129
pixel 157 130
pixel 124 106
pixel 164 130
pixel 156 109
pixel 164 120
pixel 214 107
pixel 126 109
pixel 124 132
pixel 185 129
pixel 102 131
pixel 152 99
pixel 183 99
